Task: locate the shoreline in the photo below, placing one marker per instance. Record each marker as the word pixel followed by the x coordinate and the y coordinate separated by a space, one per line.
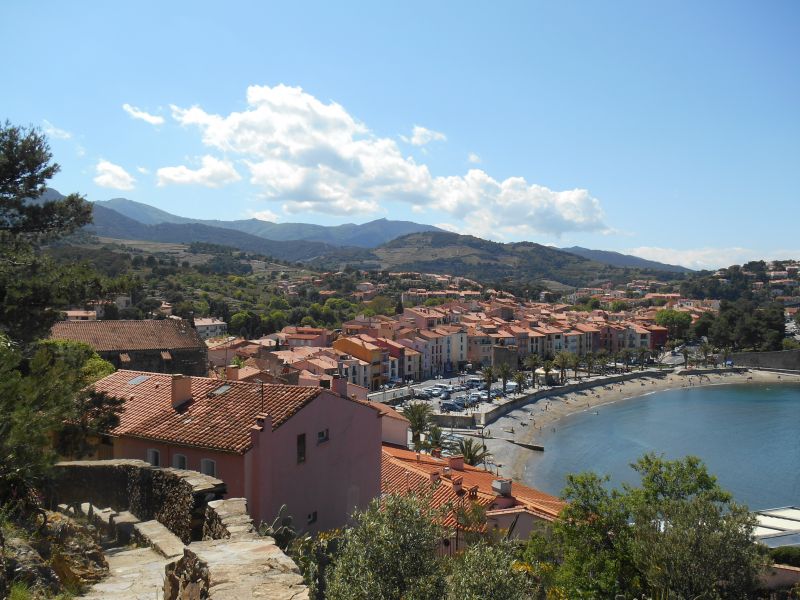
pixel 527 423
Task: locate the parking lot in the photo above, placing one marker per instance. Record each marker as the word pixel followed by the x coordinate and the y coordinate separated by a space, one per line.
pixel 459 395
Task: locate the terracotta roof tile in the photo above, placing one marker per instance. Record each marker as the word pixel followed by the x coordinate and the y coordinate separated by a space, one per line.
pixel 219 416
pixel 402 472
pixel 121 336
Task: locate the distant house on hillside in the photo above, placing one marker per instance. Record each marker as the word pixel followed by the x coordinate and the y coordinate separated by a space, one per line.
pixel 311 449
pixel 163 346
pixel 210 327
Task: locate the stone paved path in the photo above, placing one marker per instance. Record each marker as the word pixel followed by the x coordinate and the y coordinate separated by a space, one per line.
pixel 134 574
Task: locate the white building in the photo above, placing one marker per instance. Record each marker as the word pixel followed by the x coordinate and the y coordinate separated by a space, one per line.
pixel 210 327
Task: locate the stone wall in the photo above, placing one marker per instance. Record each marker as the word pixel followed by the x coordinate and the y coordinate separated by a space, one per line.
pixel 787 360
pixel 232 562
pixel 176 498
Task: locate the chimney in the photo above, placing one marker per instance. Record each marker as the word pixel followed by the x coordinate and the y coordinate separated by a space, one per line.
pixel 181 390
pixel 232 373
pixel 339 386
pixel 457 482
pixel 502 487
pixel 456 463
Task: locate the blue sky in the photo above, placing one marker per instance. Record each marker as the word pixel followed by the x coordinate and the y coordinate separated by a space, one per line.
pixel 668 130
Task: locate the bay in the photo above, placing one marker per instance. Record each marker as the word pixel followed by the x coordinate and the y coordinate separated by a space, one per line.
pixel 748 436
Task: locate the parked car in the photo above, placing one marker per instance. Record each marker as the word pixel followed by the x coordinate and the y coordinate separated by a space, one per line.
pixel 448 406
pixel 444 395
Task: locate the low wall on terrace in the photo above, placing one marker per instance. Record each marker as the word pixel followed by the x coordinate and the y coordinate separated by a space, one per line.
pixel 177 499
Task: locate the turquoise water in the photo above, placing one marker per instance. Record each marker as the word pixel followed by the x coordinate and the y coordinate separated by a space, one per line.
pixel 748 436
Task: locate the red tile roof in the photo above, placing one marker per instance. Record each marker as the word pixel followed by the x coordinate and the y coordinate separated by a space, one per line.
pixel 220 421
pixel 124 336
pixel 402 472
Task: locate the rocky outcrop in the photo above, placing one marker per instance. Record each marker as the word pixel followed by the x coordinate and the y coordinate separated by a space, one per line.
pixel 61 555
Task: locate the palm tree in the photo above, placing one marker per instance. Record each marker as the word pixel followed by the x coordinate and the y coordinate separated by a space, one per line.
pixel 547 367
pixel 625 354
pixel 685 353
pixel 473 451
pixel 434 438
pixel 641 355
pixel 532 361
pixel 601 357
pixel 504 373
pixel 520 380
pixel 616 357
pixel 589 358
pixel 488 376
pixel 419 417
pixel 706 350
pixel 562 362
pixel 575 363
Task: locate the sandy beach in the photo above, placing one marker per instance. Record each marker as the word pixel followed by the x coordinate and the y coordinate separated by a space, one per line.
pixel 526 424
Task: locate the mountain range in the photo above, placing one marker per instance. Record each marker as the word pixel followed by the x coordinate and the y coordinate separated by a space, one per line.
pixel 380 244
pixel 366 235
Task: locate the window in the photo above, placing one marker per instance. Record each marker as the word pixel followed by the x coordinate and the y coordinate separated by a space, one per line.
pixel 138 379
pixel 312 518
pixel 179 461
pixel 220 390
pixel 301 448
pixel 323 436
pixel 208 467
pixel 154 457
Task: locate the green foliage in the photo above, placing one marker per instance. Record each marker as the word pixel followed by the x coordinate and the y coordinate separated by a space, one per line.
pixel 32 286
pixel 419 417
pixel 390 553
pixel 487 571
pixel 790 344
pixel 746 324
pixel 473 451
pixel 676 322
pixel 677 535
pixel 788 555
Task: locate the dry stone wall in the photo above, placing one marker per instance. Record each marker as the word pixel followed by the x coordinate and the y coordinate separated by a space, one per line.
pixel 175 498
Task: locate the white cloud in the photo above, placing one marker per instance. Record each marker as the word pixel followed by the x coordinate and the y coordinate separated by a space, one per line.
pixel 314 156
pixel 422 135
pixel 264 215
pixel 143 170
pixel 710 258
pixel 142 115
pixel 54 132
pixel 473 158
pixel 113 176
pixel 212 173
pixel 80 151
pixel 448 227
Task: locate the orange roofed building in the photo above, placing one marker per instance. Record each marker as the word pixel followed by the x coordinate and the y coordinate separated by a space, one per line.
pixel 453 484
pixel 308 448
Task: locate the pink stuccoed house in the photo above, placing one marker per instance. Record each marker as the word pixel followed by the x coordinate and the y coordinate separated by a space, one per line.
pixel 311 449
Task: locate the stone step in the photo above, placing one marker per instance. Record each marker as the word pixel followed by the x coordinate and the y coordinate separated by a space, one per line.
pixel 136 574
pixel 124 523
pixel 158 537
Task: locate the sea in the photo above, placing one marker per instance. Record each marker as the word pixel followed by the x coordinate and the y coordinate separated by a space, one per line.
pixel 747 435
